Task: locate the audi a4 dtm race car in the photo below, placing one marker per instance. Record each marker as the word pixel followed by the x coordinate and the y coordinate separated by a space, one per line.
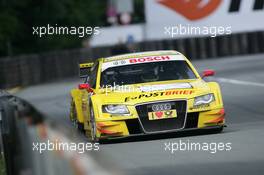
pixel 145 93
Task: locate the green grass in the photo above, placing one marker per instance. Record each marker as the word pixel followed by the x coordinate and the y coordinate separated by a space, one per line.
pixel 2 165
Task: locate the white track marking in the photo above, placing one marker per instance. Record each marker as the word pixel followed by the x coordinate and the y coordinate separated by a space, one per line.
pixel 238 82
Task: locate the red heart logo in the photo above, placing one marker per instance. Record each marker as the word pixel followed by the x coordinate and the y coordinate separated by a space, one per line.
pixel 159 114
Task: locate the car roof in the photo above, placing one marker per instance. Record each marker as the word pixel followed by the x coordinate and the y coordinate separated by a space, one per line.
pixel 141 54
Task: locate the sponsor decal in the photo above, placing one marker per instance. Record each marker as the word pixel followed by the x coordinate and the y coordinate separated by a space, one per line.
pixel 148 59
pixel 160 94
pixel 197 9
pixel 139 55
pixel 192 10
pixel 162 114
pixel 164 87
pixel 200 106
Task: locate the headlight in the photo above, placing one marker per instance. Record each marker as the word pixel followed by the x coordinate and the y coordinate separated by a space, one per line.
pixel 115 109
pixel 205 99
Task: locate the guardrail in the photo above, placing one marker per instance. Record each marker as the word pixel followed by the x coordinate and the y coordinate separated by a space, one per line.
pixel 35 69
pixel 22 127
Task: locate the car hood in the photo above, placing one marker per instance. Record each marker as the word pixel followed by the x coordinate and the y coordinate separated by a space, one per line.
pixel 141 93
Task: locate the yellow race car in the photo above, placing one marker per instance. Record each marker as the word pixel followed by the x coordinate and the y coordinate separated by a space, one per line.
pixel 145 93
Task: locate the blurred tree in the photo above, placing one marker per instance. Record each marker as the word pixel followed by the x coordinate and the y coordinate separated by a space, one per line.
pixel 139 15
pixel 18 17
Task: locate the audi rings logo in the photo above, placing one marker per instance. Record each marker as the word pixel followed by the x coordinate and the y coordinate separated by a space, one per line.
pixel 121 62
pixel 161 107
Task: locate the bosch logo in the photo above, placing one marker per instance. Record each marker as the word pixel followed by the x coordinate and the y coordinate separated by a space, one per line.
pixel 149 59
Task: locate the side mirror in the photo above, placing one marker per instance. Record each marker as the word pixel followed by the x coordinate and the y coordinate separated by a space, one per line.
pixel 208 73
pixel 85 69
pixel 85 86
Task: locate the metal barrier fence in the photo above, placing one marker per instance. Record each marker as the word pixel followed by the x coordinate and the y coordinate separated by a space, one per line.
pixel 22 128
pixel 34 69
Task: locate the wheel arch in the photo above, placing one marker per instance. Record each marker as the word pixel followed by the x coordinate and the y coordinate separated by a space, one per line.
pixel 78 99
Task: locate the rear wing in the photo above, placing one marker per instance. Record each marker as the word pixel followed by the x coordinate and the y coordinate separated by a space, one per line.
pixel 85 69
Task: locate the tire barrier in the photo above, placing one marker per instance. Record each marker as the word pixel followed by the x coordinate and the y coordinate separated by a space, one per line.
pixel 34 69
pixel 22 127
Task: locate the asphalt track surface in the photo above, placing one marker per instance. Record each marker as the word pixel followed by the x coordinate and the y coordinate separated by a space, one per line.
pixel 242 82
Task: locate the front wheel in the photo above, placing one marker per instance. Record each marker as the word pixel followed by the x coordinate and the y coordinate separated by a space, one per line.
pixel 79 126
pixel 93 126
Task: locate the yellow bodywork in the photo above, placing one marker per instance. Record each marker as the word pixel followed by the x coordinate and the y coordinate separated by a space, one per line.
pixel 108 126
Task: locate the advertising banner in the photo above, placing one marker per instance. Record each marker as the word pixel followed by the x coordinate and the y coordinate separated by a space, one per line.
pixel 188 18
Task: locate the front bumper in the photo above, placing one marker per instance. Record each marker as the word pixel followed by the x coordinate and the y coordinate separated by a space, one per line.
pixel 133 127
pixel 165 134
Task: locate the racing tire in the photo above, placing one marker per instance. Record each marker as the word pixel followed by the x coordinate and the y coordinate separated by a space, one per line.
pixel 79 126
pixel 93 126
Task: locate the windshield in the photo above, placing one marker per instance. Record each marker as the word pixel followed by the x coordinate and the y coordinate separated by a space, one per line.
pixel 146 72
